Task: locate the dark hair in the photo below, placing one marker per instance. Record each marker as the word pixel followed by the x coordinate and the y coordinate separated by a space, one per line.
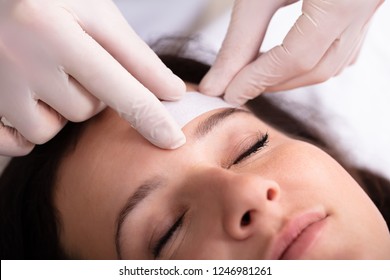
pixel 29 222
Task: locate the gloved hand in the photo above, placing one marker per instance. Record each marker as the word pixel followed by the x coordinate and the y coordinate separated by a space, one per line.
pixel 66 60
pixel 324 40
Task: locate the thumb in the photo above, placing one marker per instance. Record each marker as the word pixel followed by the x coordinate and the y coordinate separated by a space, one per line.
pixel 12 143
pixel 247 28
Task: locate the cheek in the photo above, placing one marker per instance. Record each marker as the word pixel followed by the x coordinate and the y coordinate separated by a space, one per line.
pixel 309 178
pixel 307 172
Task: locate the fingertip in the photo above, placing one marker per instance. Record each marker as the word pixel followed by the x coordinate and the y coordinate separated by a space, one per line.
pixel 177 142
pixel 234 100
pixel 22 149
pixel 169 137
pixel 12 143
pixel 245 86
pixel 44 125
pixel 177 89
pixel 235 95
pixel 208 87
pixel 167 86
pixel 157 126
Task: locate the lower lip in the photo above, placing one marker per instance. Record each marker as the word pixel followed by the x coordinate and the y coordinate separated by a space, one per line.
pixel 304 241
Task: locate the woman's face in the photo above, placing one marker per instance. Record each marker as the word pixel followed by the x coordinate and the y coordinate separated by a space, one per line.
pixel 230 192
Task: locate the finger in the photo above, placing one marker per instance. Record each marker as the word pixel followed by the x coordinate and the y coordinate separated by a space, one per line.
pixel 294 57
pixel 120 40
pixel 38 123
pixel 66 96
pixel 337 58
pixel 356 53
pixel 12 143
pixel 32 121
pixel 249 22
pixel 107 80
pixel 364 32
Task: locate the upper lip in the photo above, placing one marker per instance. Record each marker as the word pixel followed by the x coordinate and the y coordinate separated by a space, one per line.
pixel 291 231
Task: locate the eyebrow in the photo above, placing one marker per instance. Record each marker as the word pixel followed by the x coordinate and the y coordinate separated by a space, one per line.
pixel 203 129
pixel 143 191
pixel 208 125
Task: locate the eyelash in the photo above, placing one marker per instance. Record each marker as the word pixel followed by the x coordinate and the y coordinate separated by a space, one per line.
pixel 261 142
pixel 167 236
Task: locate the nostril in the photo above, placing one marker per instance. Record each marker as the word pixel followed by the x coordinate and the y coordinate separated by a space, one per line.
pixel 271 194
pixel 246 219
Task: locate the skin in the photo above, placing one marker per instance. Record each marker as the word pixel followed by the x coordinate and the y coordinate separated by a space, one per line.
pixel 285 179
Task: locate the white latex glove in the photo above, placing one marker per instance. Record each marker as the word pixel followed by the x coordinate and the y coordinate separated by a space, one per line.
pixel 65 60
pixel 324 40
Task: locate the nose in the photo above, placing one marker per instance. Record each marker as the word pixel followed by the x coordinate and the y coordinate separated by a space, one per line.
pixel 246 201
pixel 239 200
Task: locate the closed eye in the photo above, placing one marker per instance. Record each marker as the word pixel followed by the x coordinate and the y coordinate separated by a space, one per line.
pixel 165 238
pixel 257 146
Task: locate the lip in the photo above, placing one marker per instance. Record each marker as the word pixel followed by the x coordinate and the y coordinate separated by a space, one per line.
pixel 297 235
